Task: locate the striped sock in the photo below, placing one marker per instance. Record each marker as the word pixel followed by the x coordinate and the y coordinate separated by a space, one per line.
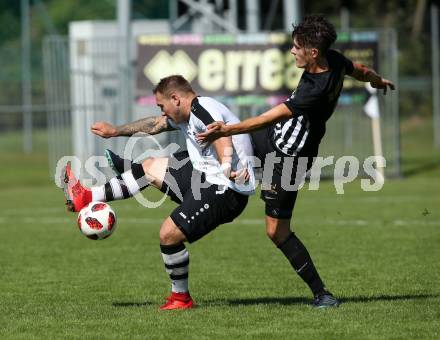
pixel 121 187
pixel 176 259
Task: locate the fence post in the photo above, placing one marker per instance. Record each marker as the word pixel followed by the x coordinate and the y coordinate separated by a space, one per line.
pixel 26 79
pixel 435 74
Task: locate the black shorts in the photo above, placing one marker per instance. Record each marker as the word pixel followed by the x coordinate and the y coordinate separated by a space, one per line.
pixel 278 193
pixel 201 207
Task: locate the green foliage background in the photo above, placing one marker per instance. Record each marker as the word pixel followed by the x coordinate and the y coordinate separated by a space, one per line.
pixel 414 54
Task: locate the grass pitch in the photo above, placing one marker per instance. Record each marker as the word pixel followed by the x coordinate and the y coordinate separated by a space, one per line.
pixel 378 251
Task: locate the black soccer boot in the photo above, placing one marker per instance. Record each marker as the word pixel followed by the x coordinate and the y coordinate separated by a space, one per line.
pixel 118 164
pixel 325 300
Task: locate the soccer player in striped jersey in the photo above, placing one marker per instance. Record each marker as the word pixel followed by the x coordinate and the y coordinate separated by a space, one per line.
pixel 294 129
pixel 210 182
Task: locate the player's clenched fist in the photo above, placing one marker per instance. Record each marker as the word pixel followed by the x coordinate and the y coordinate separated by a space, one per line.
pixel 104 129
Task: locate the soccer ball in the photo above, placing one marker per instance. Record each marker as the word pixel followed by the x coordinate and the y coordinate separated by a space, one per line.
pixel 97 220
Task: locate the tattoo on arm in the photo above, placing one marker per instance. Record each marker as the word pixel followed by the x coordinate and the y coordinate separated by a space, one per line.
pixel 363 73
pixel 150 125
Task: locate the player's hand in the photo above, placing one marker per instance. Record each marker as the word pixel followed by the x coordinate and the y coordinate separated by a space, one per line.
pixel 104 129
pixel 382 84
pixel 240 176
pixel 214 131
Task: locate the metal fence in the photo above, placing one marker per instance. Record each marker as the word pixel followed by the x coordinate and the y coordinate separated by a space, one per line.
pixel 57 89
pixel 349 131
pixel 84 90
pixel 82 81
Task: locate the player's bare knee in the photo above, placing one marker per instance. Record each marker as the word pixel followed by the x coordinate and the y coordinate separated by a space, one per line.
pixel 155 169
pixel 276 229
pixel 147 163
pixel 170 234
pixel 166 237
pixel 271 231
pixel 165 234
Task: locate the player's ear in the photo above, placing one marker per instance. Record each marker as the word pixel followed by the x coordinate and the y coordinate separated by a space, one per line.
pixel 175 98
pixel 314 52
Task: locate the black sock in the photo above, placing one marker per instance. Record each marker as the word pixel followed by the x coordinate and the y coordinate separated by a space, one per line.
pixel 301 261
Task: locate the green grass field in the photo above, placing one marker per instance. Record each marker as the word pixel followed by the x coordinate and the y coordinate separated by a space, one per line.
pixel 378 251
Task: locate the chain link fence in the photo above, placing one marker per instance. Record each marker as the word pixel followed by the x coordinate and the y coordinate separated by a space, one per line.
pixel 84 90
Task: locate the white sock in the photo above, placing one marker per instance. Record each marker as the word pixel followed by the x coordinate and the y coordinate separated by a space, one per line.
pixel 98 194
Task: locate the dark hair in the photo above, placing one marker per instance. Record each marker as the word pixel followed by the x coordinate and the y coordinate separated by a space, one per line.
pixel 173 83
pixel 315 31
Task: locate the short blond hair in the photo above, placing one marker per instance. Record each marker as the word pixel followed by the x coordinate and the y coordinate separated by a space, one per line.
pixel 173 83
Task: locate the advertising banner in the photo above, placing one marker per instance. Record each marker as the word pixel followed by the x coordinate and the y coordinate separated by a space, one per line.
pixel 245 69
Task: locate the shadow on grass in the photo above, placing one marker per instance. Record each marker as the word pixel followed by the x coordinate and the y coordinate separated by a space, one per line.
pixel 290 300
pixel 131 304
pixel 411 170
pixel 303 300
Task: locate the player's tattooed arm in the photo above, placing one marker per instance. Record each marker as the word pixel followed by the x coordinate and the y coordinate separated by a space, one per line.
pixel 150 125
pixel 365 74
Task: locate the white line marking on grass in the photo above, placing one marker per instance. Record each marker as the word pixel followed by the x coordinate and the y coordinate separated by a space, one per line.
pixel 412 222
pixel 36 210
pixel 364 199
pixel 244 221
pixel 62 220
pixel 348 222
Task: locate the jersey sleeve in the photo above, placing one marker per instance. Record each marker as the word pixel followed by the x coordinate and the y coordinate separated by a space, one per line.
pixel 347 63
pixel 349 67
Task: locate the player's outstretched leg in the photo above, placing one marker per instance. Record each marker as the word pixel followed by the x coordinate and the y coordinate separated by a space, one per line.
pixel 124 186
pixel 118 164
pixel 295 251
pixel 176 259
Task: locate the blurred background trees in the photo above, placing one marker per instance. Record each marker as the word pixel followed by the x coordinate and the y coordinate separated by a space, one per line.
pixel 410 18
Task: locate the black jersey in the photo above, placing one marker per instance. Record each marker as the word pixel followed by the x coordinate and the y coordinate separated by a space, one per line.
pixel 312 104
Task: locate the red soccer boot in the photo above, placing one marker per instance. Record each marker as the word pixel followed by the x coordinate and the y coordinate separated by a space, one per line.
pixel 77 196
pixel 178 301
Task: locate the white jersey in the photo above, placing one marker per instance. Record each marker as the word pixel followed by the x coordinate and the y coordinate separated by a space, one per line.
pixel 206 110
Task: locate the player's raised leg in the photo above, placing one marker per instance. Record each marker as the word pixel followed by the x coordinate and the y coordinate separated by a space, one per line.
pixel 294 250
pixel 151 171
pixel 176 259
pixel 118 164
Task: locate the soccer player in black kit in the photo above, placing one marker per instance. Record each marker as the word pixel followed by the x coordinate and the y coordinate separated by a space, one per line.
pixel 294 129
